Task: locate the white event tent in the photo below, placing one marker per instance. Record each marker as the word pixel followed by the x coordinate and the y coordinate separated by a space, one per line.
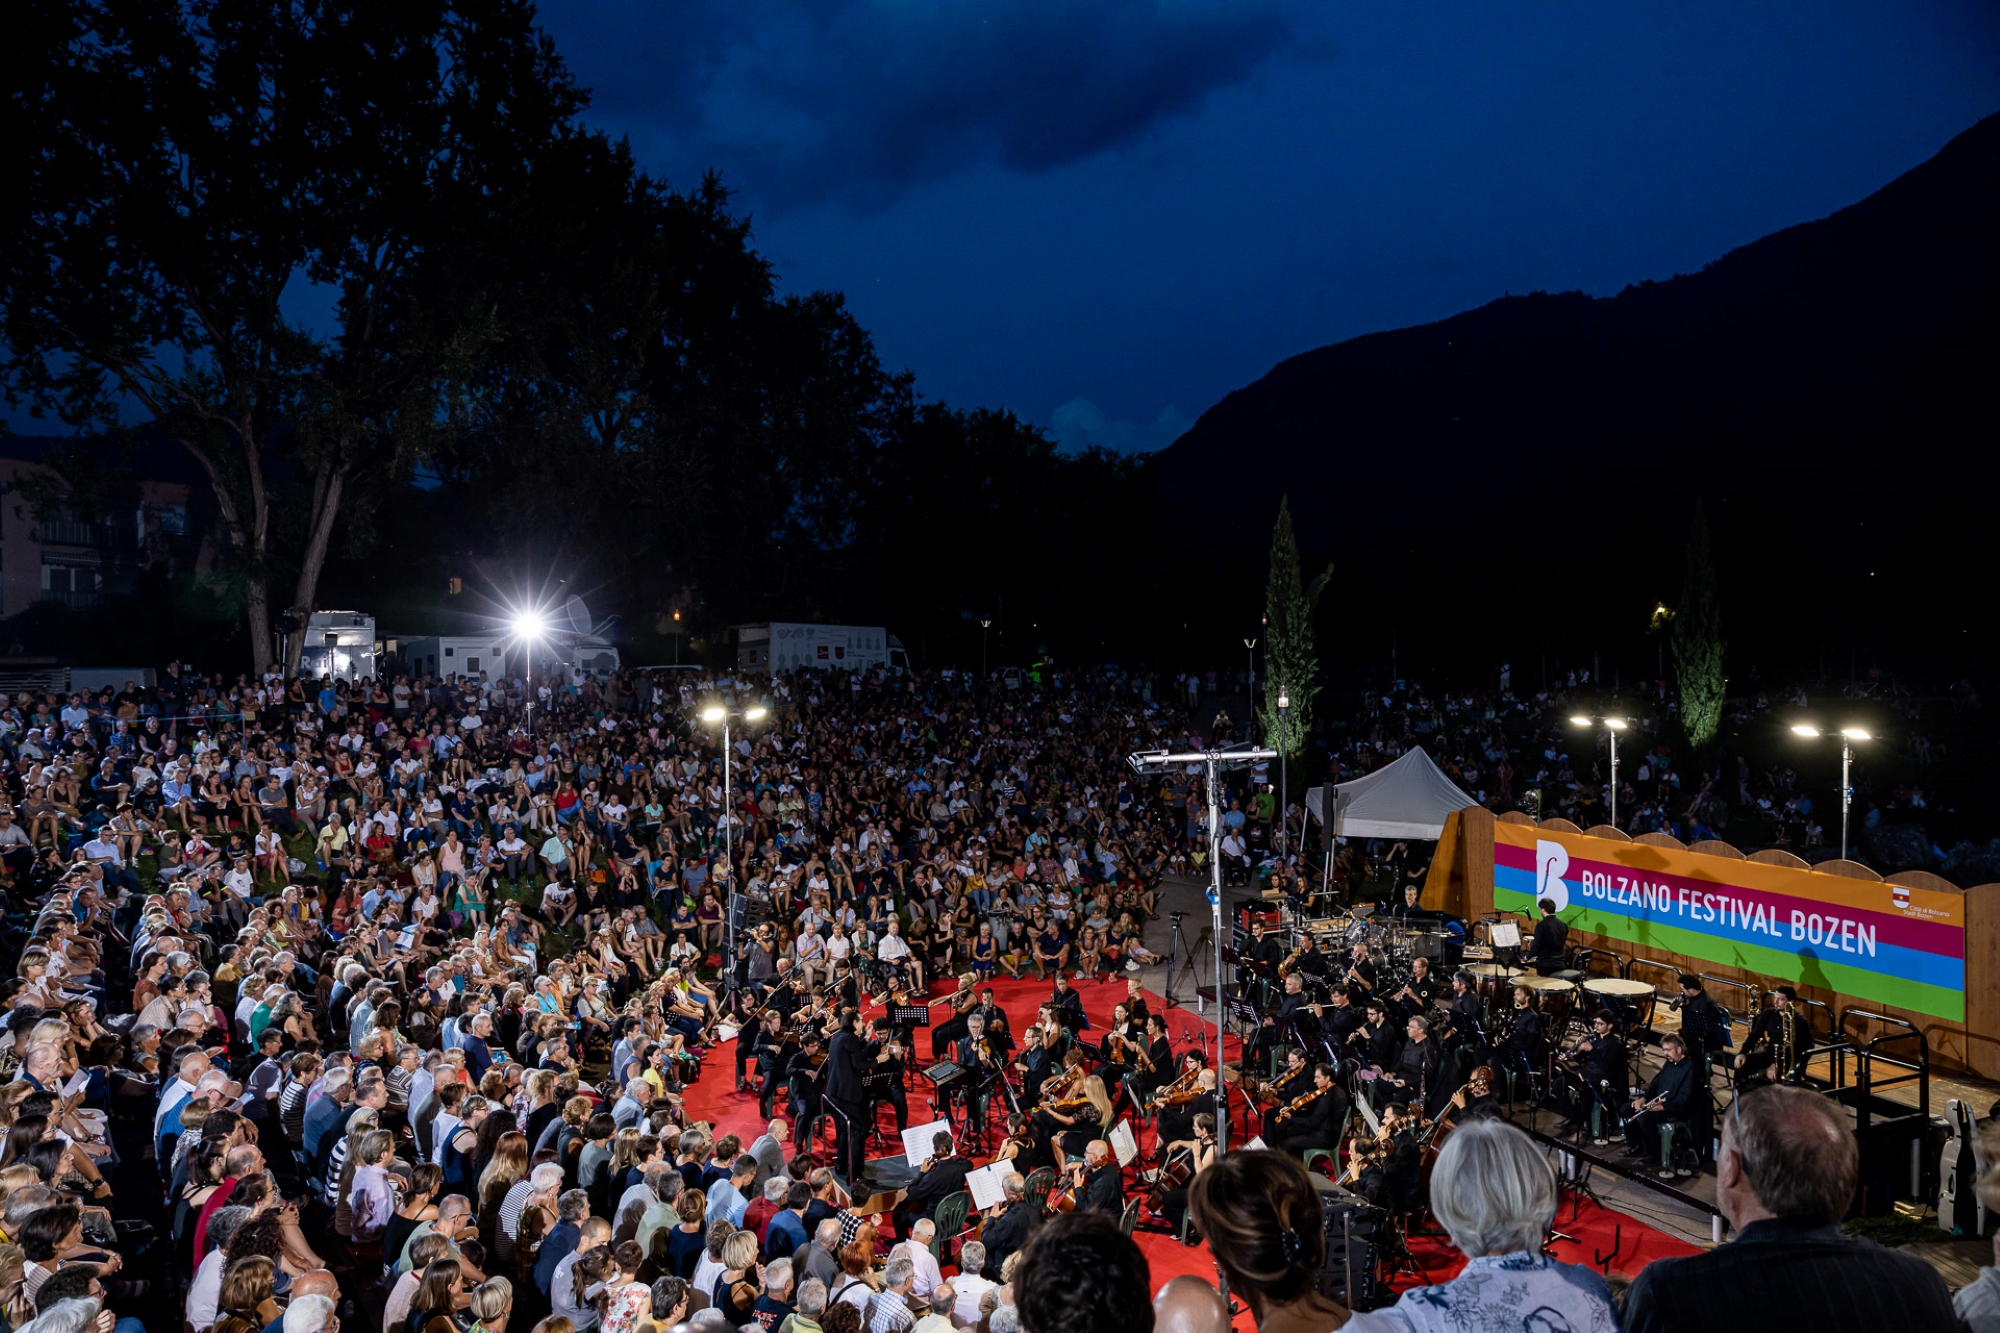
pixel 1409 798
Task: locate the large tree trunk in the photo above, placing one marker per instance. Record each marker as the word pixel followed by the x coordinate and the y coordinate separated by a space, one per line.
pixel 328 486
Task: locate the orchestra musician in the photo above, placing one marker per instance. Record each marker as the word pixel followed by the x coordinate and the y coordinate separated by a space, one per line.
pixel 849 1060
pixel 946 1034
pixel 1290 1083
pixel 888 1059
pixel 1391 1177
pixel 1068 1005
pixel 1176 1120
pixel 1099 1184
pixel 1034 1065
pixel 942 1174
pixel 974 1053
pixel 1310 1119
pixel 1548 951
pixel 1407 908
pixel 1780 1040
pixel 1378 1041
pixel 1195 1155
pixel 1296 1021
pixel 1466 1022
pixel 805 1084
pixel 1671 1096
pixel 1159 1062
pixel 1413 1078
pixel 1522 1050
pixel 1703 1022
pixel 1418 993
pixel 1603 1074
pixel 1360 977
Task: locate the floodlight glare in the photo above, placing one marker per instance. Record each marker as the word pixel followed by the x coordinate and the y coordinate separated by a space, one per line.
pixel 713 714
pixel 1855 734
pixel 1615 723
pixel 1805 731
pixel 753 714
pixel 528 624
pixel 1580 721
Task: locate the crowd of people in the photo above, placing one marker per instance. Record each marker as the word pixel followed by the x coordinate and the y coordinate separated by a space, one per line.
pixel 380 1005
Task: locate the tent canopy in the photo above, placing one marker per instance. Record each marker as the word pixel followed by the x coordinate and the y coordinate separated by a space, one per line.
pixel 1409 798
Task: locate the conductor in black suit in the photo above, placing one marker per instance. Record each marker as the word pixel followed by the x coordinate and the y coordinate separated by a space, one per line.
pixel 847 1064
pixel 943 1173
pixel 1549 950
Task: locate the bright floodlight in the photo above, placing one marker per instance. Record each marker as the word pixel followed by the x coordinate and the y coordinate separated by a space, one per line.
pixel 1855 734
pixel 1580 721
pixel 1615 723
pixel 1803 730
pixel 752 714
pixel 714 714
pixel 528 624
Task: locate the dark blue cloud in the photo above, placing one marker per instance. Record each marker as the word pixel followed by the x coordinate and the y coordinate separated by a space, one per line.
pixel 801 103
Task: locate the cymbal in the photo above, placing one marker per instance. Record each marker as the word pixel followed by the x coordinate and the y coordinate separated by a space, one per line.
pixel 1362 911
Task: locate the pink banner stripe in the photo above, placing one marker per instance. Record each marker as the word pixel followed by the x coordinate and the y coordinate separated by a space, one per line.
pixel 1932 937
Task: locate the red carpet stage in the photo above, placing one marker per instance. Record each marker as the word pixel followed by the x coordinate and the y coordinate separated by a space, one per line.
pixel 714 1099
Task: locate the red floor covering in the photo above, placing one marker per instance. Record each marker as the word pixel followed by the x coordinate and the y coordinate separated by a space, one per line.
pixel 714 1099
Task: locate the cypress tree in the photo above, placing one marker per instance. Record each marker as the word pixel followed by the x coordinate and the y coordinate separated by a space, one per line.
pixel 1290 663
pixel 1697 640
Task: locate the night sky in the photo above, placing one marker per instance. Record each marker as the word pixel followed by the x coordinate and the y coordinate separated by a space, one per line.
pixel 1105 215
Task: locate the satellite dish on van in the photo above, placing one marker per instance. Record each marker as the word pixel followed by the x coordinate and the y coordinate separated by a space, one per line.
pixel 576 615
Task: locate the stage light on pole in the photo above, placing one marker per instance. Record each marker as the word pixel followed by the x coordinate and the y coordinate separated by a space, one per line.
pixel 713 714
pixel 1847 736
pixel 1612 726
pixel 529 626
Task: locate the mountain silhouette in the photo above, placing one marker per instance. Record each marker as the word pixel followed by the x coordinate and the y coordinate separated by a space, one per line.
pixel 1521 477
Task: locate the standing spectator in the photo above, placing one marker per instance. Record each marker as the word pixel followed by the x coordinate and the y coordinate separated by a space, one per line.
pixel 1784 1178
pixel 1261 1216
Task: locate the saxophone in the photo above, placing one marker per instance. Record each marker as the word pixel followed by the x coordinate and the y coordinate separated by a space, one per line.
pixel 1787 1043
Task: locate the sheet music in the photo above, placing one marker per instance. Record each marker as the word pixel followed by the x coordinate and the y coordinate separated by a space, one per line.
pixel 1504 935
pixel 1255 1145
pixel 917 1147
pixel 1123 1143
pixel 988 1184
pixel 1368 1114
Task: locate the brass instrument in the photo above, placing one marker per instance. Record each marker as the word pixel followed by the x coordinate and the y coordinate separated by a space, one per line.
pixel 1285 968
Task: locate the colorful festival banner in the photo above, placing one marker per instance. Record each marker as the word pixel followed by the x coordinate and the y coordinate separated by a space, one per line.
pixel 1882 942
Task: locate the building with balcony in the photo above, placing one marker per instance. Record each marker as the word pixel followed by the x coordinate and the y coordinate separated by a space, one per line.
pixel 81 559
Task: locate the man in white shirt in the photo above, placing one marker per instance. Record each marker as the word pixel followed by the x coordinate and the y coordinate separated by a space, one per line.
pixel 917 1249
pixel 969 1285
pixel 205 1291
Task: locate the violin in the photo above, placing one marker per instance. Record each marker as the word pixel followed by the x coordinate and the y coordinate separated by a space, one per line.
pixel 1300 1102
pixel 1181 1091
pixel 1056 1092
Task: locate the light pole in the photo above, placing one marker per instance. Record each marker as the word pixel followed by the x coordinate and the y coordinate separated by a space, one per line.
pixel 1213 761
pixel 1250 688
pixel 713 714
pixel 1848 735
pixel 1612 726
pixel 1284 771
pixel 985 623
pixel 529 626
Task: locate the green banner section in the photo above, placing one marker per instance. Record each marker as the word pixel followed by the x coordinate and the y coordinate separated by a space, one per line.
pixel 1784 964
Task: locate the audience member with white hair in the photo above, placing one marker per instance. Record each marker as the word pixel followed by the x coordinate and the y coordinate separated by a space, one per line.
pixel 311 1314
pixel 970 1283
pixel 917 1249
pixel 1495 1195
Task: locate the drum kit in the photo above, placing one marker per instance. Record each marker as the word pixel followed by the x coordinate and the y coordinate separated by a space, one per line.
pixel 1561 998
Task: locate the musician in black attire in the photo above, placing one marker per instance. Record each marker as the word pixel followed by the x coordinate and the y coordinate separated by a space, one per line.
pixel 1360 977
pixel 1703 1022
pixel 974 1087
pixel 1379 1042
pixel 1671 1096
pixel 849 1060
pixel 1100 1182
pixel 1268 951
pixel 1779 1037
pixel 1467 1031
pixel 946 1034
pixel 1135 1001
pixel 758 1045
pixel 1034 1065
pixel 1601 1079
pixel 889 1063
pixel 942 1174
pixel 1549 950
pixel 1522 1050
pixel 1068 1005
pixel 1418 993
pixel 1314 1124
pixel 1177 1122
pixel 1407 909
pixel 1291 1082
pixel 805 1085
pixel 1296 1021
pixel 1339 1020
pixel 1414 1078
pixel 1159 1059
pixel 1008 1226
pixel 774 1059
pixel 1311 961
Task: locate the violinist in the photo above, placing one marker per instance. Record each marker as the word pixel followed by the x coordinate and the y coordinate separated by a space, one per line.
pixel 946 1034
pixel 1055 1037
pixel 1157 1070
pixel 942 1174
pixel 1135 1000
pixel 1294 1080
pixel 888 1060
pixel 1603 1075
pixel 763 1044
pixel 974 1053
pixel 1008 1225
pixel 1098 1181
pixel 1474 1101
pixel 1196 1155
pixel 1177 1119
pixel 804 1078
pixel 1392 1176
pixel 1034 1065
pixel 1310 1119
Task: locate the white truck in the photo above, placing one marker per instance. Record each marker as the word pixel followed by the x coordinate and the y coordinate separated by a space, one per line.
pixel 784 645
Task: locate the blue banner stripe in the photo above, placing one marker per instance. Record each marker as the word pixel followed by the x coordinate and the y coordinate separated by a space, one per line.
pixel 1888 960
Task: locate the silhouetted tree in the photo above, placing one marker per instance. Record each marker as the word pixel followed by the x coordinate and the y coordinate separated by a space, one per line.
pixel 1697 640
pixel 1290 660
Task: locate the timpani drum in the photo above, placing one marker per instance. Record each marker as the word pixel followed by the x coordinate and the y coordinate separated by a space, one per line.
pixel 1493 981
pixel 1618 996
pixel 1554 996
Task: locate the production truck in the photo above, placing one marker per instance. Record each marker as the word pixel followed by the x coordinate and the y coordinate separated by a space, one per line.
pixel 782 645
